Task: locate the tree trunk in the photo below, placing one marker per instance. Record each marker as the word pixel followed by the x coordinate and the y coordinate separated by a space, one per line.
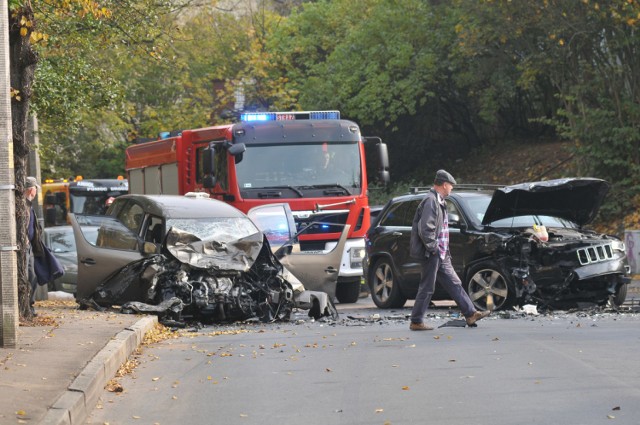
pixel 23 59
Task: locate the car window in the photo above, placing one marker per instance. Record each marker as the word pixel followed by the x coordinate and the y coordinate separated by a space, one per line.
pixel 274 221
pixel 154 230
pixel 62 242
pixel 113 234
pixel 398 214
pixel 131 216
pixel 410 212
pixel 116 207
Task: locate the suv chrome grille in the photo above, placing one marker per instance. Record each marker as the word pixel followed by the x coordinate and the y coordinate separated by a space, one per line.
pixel 595 254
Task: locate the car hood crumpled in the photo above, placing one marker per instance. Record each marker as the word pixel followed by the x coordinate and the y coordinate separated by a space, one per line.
pixel 238 255
pixel 574 199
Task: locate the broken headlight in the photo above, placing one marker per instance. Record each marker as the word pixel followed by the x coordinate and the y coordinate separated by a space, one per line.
pixel 618 246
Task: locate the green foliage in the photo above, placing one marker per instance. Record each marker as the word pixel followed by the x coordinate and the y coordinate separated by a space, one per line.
pixel 379 194
pixel 434 79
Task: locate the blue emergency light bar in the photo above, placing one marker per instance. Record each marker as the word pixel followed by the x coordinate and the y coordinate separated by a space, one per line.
pixel 289 116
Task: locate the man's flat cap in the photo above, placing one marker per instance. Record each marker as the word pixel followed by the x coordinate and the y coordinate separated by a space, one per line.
pixel 443 176
pixel 32 182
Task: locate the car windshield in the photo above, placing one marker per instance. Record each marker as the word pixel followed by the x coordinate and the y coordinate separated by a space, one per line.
pixel 221 229
pixel 300 165
pixel 477 206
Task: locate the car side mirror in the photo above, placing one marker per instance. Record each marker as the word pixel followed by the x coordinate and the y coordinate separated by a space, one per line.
pixel 283 251
pixel 149 248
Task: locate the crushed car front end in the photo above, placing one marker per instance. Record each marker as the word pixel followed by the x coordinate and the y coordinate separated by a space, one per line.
pixel 571 268
pixel 534 237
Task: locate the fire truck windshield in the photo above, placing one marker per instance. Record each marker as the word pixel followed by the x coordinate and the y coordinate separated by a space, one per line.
pixel 300 165
pixel 89 203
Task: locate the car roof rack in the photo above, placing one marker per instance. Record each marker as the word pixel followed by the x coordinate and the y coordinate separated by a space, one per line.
pixel 465 186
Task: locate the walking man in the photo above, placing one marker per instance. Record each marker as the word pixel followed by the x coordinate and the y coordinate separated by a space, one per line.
pixel 430 244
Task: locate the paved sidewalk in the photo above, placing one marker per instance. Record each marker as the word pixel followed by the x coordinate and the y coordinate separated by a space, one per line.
pixel 59 368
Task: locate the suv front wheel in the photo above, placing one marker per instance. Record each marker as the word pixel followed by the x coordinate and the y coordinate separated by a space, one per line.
pixel 488 285
pixel 384 286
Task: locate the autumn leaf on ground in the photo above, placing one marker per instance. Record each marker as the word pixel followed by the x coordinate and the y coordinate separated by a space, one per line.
pixel 114 386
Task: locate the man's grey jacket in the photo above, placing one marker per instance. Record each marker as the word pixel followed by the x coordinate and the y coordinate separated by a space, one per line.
pixel 427 225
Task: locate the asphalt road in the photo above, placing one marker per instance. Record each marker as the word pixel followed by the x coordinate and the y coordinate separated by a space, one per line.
pixel 368 368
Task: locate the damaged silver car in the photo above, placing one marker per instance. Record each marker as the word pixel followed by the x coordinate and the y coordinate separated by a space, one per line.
pixel 513 245
pixel 194 258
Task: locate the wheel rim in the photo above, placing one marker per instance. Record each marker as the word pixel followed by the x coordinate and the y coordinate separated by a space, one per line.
pixel 488 284
pixel 383 282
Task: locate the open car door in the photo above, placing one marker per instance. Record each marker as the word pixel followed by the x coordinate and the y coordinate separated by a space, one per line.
pixel 317 271
pixel 115 247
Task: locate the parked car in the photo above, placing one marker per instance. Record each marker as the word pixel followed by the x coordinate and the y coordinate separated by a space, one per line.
pixel 193 256
pixel 516 244
pixel 62 244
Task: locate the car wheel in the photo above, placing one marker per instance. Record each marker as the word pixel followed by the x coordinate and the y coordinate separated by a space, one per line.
pixel 384 286
pixel 621 295
pixel 348 291
pixel 488 285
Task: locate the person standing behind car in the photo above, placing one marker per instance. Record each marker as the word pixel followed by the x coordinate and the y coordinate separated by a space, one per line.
pixel 43 266
pixel 430 244
pixel 34 235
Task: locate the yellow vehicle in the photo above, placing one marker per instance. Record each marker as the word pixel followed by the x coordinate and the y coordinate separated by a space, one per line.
pixel 79 196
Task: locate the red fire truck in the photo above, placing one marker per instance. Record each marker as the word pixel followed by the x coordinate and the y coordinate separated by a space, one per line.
pixel 314 161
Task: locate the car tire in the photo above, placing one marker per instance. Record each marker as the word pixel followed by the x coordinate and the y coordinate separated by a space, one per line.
pixel 384 286
pixel 488 279
pixel 621 295
pixel 348 291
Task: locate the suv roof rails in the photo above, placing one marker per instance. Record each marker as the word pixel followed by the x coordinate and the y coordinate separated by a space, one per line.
pixel 466 186
pixel 418 189
pixel 478 186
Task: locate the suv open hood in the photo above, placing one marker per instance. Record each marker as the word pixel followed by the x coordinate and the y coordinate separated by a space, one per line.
pixel 575 199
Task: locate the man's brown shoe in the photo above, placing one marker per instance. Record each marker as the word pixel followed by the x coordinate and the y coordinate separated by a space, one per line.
pixel 419 327
pixel 478 315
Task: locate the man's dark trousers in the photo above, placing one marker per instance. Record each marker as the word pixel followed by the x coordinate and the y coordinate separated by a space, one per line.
pixel 434 267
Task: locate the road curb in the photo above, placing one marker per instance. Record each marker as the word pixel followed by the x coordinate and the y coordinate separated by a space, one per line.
pixel 77 402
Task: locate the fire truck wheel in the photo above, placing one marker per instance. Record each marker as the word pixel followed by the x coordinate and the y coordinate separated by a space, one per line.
pixel 348 291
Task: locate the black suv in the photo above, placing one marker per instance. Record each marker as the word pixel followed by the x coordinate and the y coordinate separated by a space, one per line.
pixel 510 246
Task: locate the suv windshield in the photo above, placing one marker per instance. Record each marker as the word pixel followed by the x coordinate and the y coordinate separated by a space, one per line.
pixel 300 165
pixel 477 206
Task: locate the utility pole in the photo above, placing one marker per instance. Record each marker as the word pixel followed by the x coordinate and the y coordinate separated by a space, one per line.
pixel 9 317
